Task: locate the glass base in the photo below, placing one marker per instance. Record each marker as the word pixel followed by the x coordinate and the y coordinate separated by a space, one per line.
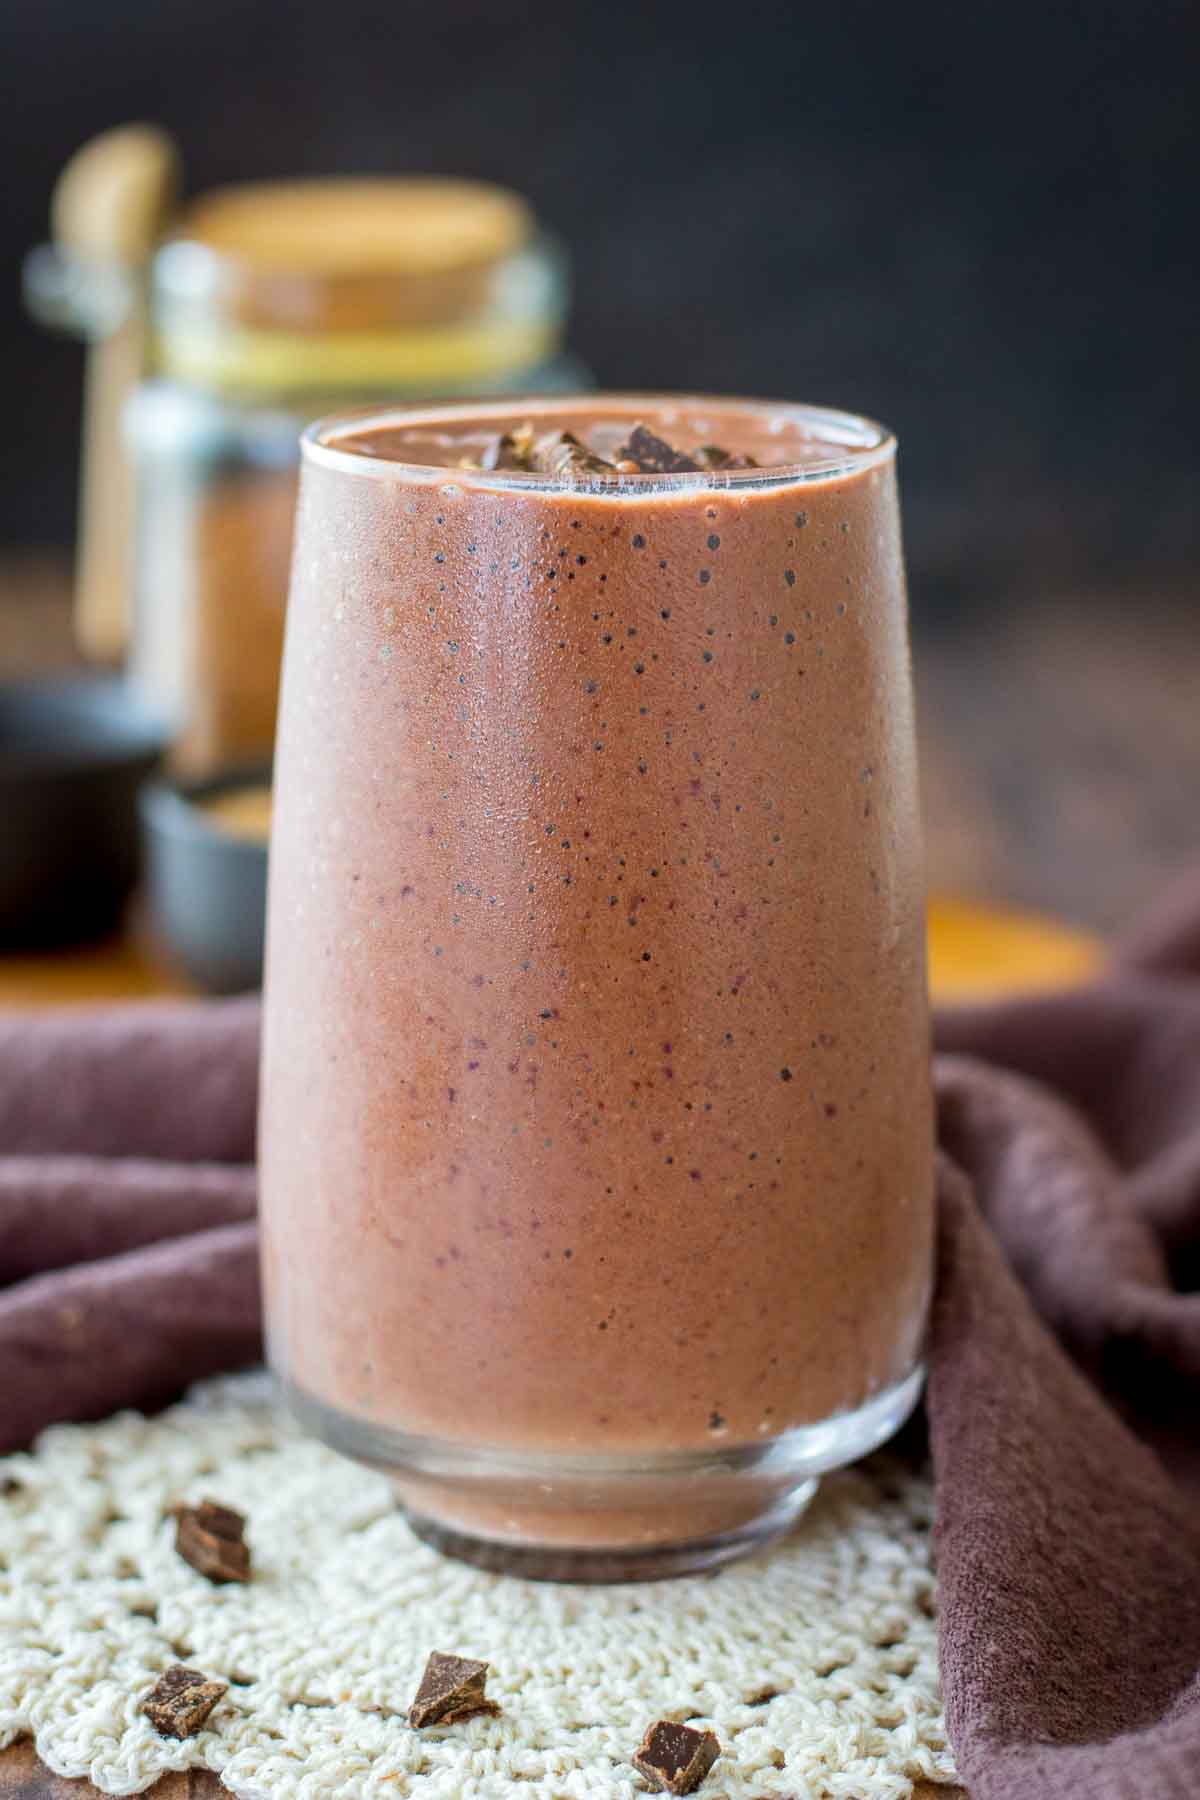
pixel 568 1516
pixel 654 1562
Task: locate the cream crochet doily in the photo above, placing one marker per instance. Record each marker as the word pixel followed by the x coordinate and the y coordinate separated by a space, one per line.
pixel 814 1663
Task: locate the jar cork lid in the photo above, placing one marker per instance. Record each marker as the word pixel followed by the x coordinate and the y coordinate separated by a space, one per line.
pixel 253 270
pixel 416 225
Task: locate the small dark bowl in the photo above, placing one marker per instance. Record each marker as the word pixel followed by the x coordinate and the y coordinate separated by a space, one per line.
pixel 73 753
pixel 207 887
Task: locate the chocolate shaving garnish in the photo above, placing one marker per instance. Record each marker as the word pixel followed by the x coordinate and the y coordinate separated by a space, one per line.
pixel 511 450
pixel 676 1758
pixel 181 1700
pixel 653 455
pixel 211 1538
pixel 563 454
pixel 451 1690
pixel 712 456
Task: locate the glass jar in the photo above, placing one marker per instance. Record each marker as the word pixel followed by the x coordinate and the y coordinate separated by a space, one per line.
pixel 268 305
pixel 272 304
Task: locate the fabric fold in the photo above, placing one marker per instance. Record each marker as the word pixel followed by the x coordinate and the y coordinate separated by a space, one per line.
pixel 60 1210
pixel 127 1330
pixel 172 1080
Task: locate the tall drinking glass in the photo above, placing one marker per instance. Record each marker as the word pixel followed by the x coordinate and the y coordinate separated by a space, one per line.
pixel 596 1126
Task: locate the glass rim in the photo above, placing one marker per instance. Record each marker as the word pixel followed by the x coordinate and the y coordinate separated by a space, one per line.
pixel 870 443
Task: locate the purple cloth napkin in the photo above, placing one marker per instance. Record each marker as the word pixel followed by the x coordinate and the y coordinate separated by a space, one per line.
pixel 1064 1391
pixel 128 1247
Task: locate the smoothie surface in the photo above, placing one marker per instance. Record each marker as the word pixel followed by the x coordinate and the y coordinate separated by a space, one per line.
pixel 758 443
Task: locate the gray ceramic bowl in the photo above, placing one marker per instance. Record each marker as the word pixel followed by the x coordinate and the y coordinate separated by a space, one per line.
pixel 73 753
pixel 207 887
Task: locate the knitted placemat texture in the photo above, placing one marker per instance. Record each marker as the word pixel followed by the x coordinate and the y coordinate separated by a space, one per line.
pixel 815 1663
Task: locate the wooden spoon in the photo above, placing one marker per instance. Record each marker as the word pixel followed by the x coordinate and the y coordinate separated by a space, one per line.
pixel 109 209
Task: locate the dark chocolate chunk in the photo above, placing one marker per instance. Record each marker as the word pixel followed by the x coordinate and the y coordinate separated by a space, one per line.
pixel 181 1700
pixel 451 1689
pixel 10 1485
pixel 653 455
pixel 211 1538
pixel 562 454
pixel 676 1758
pixel 511 450
pixel 475 1709
pixel 711 456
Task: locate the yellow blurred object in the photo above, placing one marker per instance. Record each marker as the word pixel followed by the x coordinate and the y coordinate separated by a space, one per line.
pixel 115 969
pixel 240 812
pixel 975 953
pixel 247 362
pixel 979 952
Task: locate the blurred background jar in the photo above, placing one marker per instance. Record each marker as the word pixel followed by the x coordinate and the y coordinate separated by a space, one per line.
pixel 254 309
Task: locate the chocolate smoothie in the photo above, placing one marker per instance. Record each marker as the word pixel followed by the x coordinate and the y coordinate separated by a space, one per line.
pixel 596 1134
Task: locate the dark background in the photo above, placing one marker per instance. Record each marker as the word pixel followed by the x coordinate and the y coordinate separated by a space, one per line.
pixel 976 222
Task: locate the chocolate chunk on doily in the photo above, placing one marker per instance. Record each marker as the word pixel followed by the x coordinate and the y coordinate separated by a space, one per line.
pixel 676 1758
pixel 451 1689
pixel 180 1701
pixel 212 1539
